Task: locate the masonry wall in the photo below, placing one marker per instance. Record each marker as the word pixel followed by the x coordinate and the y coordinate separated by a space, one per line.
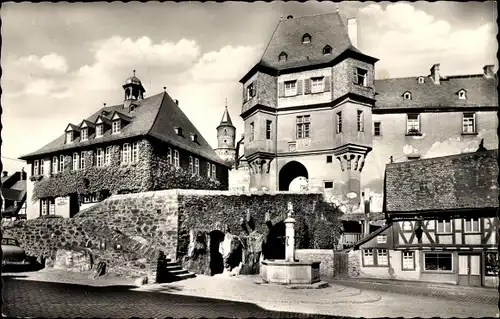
pixel 325 256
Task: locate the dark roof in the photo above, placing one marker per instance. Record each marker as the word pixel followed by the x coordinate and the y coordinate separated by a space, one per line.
pixel 457 182
pixel 226 119
pixel 155 116
pixel 481 91
pixel 371 236
pixel 12 194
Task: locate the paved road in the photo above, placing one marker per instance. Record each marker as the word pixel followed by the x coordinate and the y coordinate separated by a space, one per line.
pixel 23 298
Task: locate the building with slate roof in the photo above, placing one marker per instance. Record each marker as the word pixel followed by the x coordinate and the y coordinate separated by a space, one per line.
pixel 146 143
pixel 14 195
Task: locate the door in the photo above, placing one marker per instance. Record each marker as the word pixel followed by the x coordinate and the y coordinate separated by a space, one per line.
pixel 341 262
pixel 469 270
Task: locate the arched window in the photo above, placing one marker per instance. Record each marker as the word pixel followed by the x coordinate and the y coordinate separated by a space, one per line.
pixel 306 38
pixel 327 50
pixel 283 56
pixel 407 95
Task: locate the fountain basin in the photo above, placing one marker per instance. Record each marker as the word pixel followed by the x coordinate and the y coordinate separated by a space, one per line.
pixel 289 272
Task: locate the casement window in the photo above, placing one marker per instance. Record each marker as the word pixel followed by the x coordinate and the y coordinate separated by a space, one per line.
pixel 377 129
pixel 99 130
pixel 54 165
pixel 328 185
pixel 382 257
pixel 462 95
pixel 471 225
pixel 90 198
pixel 107 158
pixel 303 126
pixel 368 257
pixel 116 127
pixel 408 260
pixel 69 137
pixel 191 166
pixel 52 206
pixel 208 170
pixel 438 261
pixel 382 239
pixel 85 134
pixel 61 163
pixel 100 157
pixel 469 123
pixel 317 85
pixel 444 226
pixel 76 159
pixel 126 153
pixel 290 88
pixel 35 167
pixel 339 122
pixel 176 158
pixel 268 129
pixel 361 121
pixel 135 152
pixel 329 159
pixel 169 156
pixel 82 160
pixel 413 123
pixel 42 166
pixel 214 176
pixel 252 132
pixel 44 208
pixel 250 91
pixel 197 167
pixel 360 76
pixel 407 226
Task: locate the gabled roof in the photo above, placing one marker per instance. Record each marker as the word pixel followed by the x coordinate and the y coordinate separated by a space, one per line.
pixel 481 91
pixel 72 127
pixel 86 123
pixel 156 116
pixel 102 119
pixel 459 182
pixel 118 115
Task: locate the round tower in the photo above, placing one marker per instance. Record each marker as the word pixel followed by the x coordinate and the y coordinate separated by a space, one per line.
pixel 226 138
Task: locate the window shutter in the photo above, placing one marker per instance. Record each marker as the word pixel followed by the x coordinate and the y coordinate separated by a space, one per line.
pixel 327 84
pixel 299 87
pixel 281 89
pixel 307 84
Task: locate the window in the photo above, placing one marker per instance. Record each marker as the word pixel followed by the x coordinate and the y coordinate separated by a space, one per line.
pixel 194 137
pixel 54 165
pixel 407 96
pixel 178 130
pixel 329 159
pixel 35 167
pixel 421 79
pixel 176 158
pixel 61 163
pixel 360 76
pixel 197 167
pixel 43 207
pixel 69 137
pixel 407 226
pixel 491 263
pixel 327 50
pixel 191 167
pixel 306 38
pixel 368 257
pixel 317 85
pixel 85 134
pixel 135 152
pixel 268 129
pixel 208 170
pixel 376 129
pixel 444 226
pixel 251 132
pixel 99 130
pixel 290 88
pixel 339 122
pixel 116 127
pixel 462 95
pixel 382 239
pixel 107 158
pixel 42 166
pixel 250 91
pixel 328 184
pixel 100 157
pixel 82 160
pixel 413 123
pixel 169 155
pixel 471 225
pixel 52 206
pixel 91 198
pixel 469 123
pixel 282 57
pixel 361 122
pixel 303 125
pixel 408 260
pixel 382 257
pixel 76 159
pixel 126 153
pixel 214 176
pixel 438 261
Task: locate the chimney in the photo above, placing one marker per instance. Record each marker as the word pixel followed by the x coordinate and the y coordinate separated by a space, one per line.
pixel 488 71
pixel 23 175
pixel 352 31
pixel 5 173
pixel 435 73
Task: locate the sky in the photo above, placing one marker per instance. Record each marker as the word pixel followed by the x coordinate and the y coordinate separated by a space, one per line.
pixel 62 61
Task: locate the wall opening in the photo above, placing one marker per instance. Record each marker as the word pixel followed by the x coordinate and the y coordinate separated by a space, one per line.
pixel 216 259
pixel 274 248
pixel 291 172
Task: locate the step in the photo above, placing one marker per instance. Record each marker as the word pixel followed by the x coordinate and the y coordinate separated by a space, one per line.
pixel 172 268
pixel 186 276
pixel 178 272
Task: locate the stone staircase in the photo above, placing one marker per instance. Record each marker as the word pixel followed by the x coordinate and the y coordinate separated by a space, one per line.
pixel 170 271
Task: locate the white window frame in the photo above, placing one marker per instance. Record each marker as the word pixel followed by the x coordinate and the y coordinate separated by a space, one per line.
pixel 447 227
pixel 269 131
pixel 44 207
pixel 169 156
pixel 100 157
pixel 42 166
pixel 52 206
pixel 250 91
pixel 339 122
pixel 407 96
pixel 176 158
pixel 191 166
pixel 421 80
pixel 360 121
pixel 85 134
pixel 290 88
pixel 368 259
pixel 55 165
pixel 197 167
pixel 360 76
pixel 375 128
pixel 462 95
pixel 61 163
pixel 317 85
pixel 76 161
pixel 214 175
pixel 35 167
pixel 82 160
pixel 469 123
pixel 382 257
pixel 412 124
pixel 116 127
pixel 209 170
pixel 99 130
pixel 303 126
pixel 135 152
pixel 382 239
pixel 125 153
pixel 408 258
pixel 69 137
pixel 107 155
pixel 252 131
pixel 437 253
pixel 469 225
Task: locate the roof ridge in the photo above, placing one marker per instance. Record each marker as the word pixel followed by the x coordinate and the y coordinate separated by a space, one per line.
pixel 269 42
pixel 317 14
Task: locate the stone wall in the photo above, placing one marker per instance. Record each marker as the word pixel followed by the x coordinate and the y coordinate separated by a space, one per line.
pixel 325 256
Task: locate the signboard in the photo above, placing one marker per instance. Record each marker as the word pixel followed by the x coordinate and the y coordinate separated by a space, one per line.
pixel 62 201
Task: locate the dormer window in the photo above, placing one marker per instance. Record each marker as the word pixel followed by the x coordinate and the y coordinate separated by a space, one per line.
pixel 116 127
pixel 421 79
pixel 194 138
pixel 69 137
pixel 306 38
pixel 462 94
pixel 85 134
pixel 283 57
pixel 178 130
pixel 132 108
pixel 327 50
pixel 99 130
pixel 407 95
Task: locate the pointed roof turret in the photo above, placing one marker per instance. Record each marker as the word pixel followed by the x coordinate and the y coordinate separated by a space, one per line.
pixel 226 119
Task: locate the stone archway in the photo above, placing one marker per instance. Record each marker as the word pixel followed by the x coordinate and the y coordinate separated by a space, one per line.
pixel 274 247
pixel 292 171
pixel 216 259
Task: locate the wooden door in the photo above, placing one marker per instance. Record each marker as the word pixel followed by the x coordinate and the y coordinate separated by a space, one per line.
pixel 341 262
pixel 469 270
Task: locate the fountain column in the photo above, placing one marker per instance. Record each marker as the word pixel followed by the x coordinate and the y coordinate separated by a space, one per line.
pixel 290 235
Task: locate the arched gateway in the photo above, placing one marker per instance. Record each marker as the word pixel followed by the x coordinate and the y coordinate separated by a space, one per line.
pixel 290 172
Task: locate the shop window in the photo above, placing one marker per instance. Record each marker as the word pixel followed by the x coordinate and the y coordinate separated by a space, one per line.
pixel 438 262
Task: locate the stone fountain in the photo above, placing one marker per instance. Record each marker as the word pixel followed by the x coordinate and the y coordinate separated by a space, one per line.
pixel 290 271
